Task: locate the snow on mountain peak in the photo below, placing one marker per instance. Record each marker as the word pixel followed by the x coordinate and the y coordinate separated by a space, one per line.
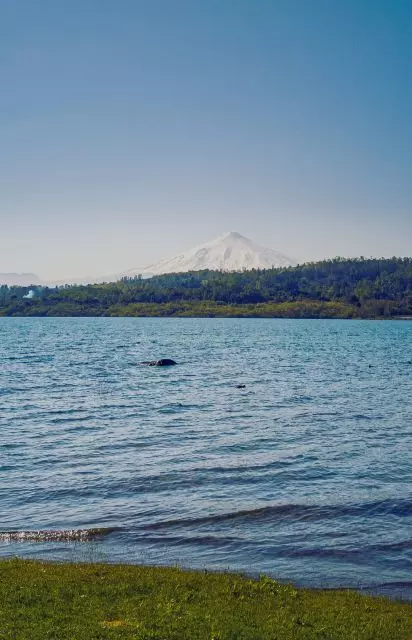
pixel 231 235
pixel 229 252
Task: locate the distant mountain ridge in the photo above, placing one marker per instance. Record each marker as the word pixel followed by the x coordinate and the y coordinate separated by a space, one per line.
pixel 229 252
pixel 19 279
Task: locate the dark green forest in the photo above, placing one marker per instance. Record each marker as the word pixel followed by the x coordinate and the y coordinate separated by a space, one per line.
pixel 338 288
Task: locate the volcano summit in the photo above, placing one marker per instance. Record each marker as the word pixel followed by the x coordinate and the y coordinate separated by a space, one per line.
pixel 229 252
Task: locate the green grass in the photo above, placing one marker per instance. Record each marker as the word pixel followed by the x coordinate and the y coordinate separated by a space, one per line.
pixel 41 601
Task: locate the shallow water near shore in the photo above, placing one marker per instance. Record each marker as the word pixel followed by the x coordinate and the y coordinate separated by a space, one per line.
pixel 305 474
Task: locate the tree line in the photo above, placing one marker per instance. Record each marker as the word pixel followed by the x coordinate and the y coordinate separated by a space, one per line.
pixel 365 288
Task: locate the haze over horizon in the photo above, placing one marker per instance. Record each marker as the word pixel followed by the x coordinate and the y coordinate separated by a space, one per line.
pixel 133 131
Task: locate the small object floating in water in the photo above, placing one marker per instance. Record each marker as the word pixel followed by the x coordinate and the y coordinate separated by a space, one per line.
pixel 52 535
pixel 163 362
pixel 240 386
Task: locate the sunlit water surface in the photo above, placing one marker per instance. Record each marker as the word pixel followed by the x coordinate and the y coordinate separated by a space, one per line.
pixel 305 474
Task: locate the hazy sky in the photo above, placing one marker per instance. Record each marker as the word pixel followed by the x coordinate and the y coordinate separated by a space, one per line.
pixel 133 129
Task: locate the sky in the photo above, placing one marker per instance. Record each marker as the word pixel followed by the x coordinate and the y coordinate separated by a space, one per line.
pixel 131 130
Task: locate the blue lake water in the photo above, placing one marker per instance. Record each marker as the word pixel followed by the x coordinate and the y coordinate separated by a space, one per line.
pixel 305 474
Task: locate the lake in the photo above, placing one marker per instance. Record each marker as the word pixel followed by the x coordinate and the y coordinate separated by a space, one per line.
pixel 305 474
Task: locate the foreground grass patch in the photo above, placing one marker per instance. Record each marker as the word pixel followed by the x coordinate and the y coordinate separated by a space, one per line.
pixel 40 601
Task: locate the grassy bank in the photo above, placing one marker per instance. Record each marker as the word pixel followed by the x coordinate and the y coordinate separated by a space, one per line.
pixel 40 601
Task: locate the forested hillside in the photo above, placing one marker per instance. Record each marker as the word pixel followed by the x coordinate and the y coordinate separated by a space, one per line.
pixel 365 288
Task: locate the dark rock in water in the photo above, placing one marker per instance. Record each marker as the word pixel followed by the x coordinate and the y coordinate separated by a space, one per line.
pixel 163 362
pixel 240 386
pixel 62 535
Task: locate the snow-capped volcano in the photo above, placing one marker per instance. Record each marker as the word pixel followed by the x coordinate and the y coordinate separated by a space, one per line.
pixel 229 252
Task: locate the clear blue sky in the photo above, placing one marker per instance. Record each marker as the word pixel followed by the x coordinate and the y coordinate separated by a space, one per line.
pixel 132 129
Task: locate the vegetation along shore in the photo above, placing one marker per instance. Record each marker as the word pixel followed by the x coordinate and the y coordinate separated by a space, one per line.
pixel 42 600
pixel 339 288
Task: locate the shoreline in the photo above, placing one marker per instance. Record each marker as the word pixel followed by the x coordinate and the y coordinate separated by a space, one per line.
pixel 211 316
pixel 43 599
pixel 388 590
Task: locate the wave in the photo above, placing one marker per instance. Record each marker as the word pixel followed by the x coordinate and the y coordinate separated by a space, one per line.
pixel 302 512
pixel 29 358
pixel 199 476
pixel 276 550
pixel 60 535
pixel 362 554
